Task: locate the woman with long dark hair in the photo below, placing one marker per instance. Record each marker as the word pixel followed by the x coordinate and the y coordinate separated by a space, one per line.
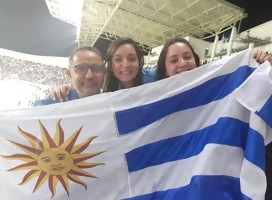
pixel 124 62
pixel 176 56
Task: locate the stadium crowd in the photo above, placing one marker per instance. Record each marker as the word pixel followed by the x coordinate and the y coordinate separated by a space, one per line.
pixel 36 77
pixel 49 75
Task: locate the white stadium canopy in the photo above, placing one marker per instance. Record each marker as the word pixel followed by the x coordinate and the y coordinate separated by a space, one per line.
pixel 149 22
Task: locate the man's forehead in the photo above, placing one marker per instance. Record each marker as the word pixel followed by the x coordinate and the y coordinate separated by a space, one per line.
pixel 86 55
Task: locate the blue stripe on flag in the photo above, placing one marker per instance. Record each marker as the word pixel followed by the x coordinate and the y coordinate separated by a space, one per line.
pixel 266 112
pixel 255 149
pixel 217 88
pixel 226 131
pixel 201 187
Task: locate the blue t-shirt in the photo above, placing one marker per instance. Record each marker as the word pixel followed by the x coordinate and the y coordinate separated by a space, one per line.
pixel 149 75
pixel 150 72
pixel 148 78
pixel 72 96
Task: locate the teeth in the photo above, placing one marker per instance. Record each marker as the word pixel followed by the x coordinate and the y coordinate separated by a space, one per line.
pixel 125 72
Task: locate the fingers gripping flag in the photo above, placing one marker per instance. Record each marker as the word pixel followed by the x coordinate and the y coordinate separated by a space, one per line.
pixel 197 135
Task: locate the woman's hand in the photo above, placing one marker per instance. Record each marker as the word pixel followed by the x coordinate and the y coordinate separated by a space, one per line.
pixel 261 57
pixel 61 93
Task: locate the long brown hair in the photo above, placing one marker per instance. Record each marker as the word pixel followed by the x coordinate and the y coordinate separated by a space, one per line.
pixel 112 83
pixel 161 70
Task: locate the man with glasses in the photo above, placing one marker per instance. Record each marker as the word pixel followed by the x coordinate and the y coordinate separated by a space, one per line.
pixel 86 71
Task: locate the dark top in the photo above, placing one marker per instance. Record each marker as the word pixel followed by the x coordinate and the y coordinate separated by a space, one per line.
pixel 268 171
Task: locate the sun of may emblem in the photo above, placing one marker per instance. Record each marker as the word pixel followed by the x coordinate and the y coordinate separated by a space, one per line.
pixel 53 159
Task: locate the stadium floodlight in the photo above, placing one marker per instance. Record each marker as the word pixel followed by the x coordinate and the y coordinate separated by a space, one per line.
pixel 66 10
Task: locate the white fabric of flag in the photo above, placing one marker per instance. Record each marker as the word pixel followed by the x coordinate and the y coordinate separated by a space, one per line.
pixel 197 135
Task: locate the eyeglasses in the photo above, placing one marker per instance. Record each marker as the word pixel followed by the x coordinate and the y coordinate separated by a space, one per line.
pixel 83 68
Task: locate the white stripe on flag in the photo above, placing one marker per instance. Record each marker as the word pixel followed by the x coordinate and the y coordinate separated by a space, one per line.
pixel 213 160
pixel 177 123
pixel 250 173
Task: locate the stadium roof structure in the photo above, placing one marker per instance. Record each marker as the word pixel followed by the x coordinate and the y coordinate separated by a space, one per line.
pixel 149 22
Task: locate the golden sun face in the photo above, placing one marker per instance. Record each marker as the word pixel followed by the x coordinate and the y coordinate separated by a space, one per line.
pixel 53 159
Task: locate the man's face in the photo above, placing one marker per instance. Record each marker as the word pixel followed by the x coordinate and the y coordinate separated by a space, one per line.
pixel 90 82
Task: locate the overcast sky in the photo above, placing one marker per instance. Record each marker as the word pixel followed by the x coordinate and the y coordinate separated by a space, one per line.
pixel 27 26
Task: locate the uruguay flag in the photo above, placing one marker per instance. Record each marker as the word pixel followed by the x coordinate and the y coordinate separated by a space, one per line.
pixel 197 135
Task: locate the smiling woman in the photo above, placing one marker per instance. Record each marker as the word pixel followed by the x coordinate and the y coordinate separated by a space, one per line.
pixel 124 63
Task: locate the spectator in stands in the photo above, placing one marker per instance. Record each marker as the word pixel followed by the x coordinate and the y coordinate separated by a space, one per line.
pixel 124 63
pixel 124 49
pixel 86 71
pixel 178 56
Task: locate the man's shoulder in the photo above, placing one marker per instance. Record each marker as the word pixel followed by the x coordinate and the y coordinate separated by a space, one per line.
pixel 46 101
pixel 73 95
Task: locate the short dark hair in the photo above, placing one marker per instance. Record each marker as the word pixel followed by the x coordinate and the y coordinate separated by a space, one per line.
pixel 83 48
pixel 161 70
pixel 111 82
